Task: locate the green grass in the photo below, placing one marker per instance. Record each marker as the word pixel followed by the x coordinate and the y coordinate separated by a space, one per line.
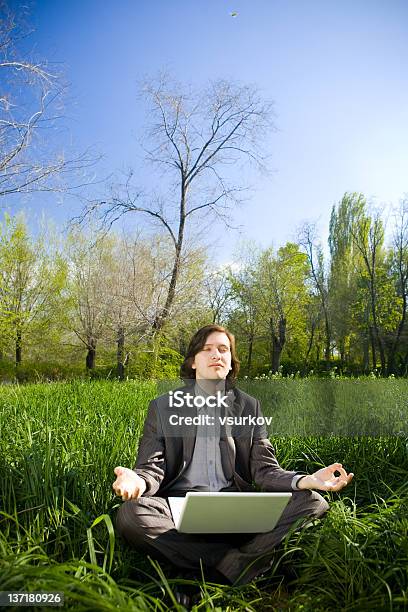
pixel 60 442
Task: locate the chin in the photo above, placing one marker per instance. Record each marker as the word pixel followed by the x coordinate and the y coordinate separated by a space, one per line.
pixel 217 375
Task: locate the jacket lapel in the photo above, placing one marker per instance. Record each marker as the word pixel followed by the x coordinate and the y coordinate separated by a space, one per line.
pixel 189 432
pixel 227 441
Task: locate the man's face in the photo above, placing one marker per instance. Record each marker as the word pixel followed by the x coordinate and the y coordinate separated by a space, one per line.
pixel 213 362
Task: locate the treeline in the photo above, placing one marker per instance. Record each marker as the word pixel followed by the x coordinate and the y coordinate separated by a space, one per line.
pixel 296 311
pixel 89 303
pixel 91 300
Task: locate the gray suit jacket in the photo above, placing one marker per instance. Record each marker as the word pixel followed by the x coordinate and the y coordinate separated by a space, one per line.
pixel 247 455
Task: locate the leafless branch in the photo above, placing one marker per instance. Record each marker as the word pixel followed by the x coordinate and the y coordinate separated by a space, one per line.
pixel 31 94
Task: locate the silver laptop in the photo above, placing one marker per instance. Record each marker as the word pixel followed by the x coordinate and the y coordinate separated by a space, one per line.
pixel 217 512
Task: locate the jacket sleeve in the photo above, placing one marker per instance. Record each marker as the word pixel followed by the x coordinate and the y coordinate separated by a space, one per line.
pixel 150 462
pixel 265 469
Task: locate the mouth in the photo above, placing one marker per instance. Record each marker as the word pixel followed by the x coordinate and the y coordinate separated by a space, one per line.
pixel 216 365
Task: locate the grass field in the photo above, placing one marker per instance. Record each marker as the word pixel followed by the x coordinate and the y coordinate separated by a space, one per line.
pixel 60 443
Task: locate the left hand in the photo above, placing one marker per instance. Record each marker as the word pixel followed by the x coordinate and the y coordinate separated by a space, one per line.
pixel 325 479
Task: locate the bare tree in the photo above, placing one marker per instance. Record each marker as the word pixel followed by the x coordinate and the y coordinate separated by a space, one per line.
pixel 195 139
pixel 126 279
pixel 218 293
pixel 30 102
pixel 90 294
pixel 117 286
pixel 136 284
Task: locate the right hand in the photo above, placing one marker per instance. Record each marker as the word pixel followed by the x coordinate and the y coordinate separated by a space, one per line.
pixel 128 485
pixel 325 479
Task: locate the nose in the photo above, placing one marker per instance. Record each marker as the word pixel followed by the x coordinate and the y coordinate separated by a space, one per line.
pixel 215 355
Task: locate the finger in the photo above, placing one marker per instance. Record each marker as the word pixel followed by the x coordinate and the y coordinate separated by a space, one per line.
pixel 328 487
pixel 335 466
pixel 342 483
pixel 349 478
pixel 125 495
pixel 345 477
pixel 337 486
pixel 118 491
pixel 343 472
pixel 336 483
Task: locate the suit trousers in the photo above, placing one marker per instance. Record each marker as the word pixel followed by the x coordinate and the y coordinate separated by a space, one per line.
pixel 147 524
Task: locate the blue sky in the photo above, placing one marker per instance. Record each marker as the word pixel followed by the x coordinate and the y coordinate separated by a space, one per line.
pixel 335 70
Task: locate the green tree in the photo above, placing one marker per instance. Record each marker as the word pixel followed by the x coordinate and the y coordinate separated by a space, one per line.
pixel 318 277
pixel 283 299
pixel 399 272
pixel 368 238
pixel 32 281
pixel 344 269
pixel 244 315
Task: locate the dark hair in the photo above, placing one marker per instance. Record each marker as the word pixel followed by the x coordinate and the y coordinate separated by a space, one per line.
pixel 197 342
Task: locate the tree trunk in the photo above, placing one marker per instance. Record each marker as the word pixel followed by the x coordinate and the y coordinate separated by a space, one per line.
pixel 278 342
pixel 373 351
pixel 382 353
pixel 91 354
pixel 250 348
pixel 405 365
pixel 309 348
pixel 276 355
pixel 342 349
pixel 375 332
pixel 393 350
pixel 121 352
pixel 161 318
pixel 366 354
pixel 19 347
pixel 328 338
pixel 391 360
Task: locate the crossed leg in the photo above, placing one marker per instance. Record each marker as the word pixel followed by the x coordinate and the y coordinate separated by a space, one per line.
pixel 147 524
pixel 241 565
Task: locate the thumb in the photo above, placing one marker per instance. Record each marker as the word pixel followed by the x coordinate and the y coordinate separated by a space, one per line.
pixel 118 470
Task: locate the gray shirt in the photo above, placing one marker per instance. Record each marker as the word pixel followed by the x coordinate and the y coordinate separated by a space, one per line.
pixel 205 471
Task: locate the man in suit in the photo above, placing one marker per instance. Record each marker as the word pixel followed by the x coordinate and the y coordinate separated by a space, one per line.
pixel 172 461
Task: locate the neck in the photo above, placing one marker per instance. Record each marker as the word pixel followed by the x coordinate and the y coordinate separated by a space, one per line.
pixel 211 386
